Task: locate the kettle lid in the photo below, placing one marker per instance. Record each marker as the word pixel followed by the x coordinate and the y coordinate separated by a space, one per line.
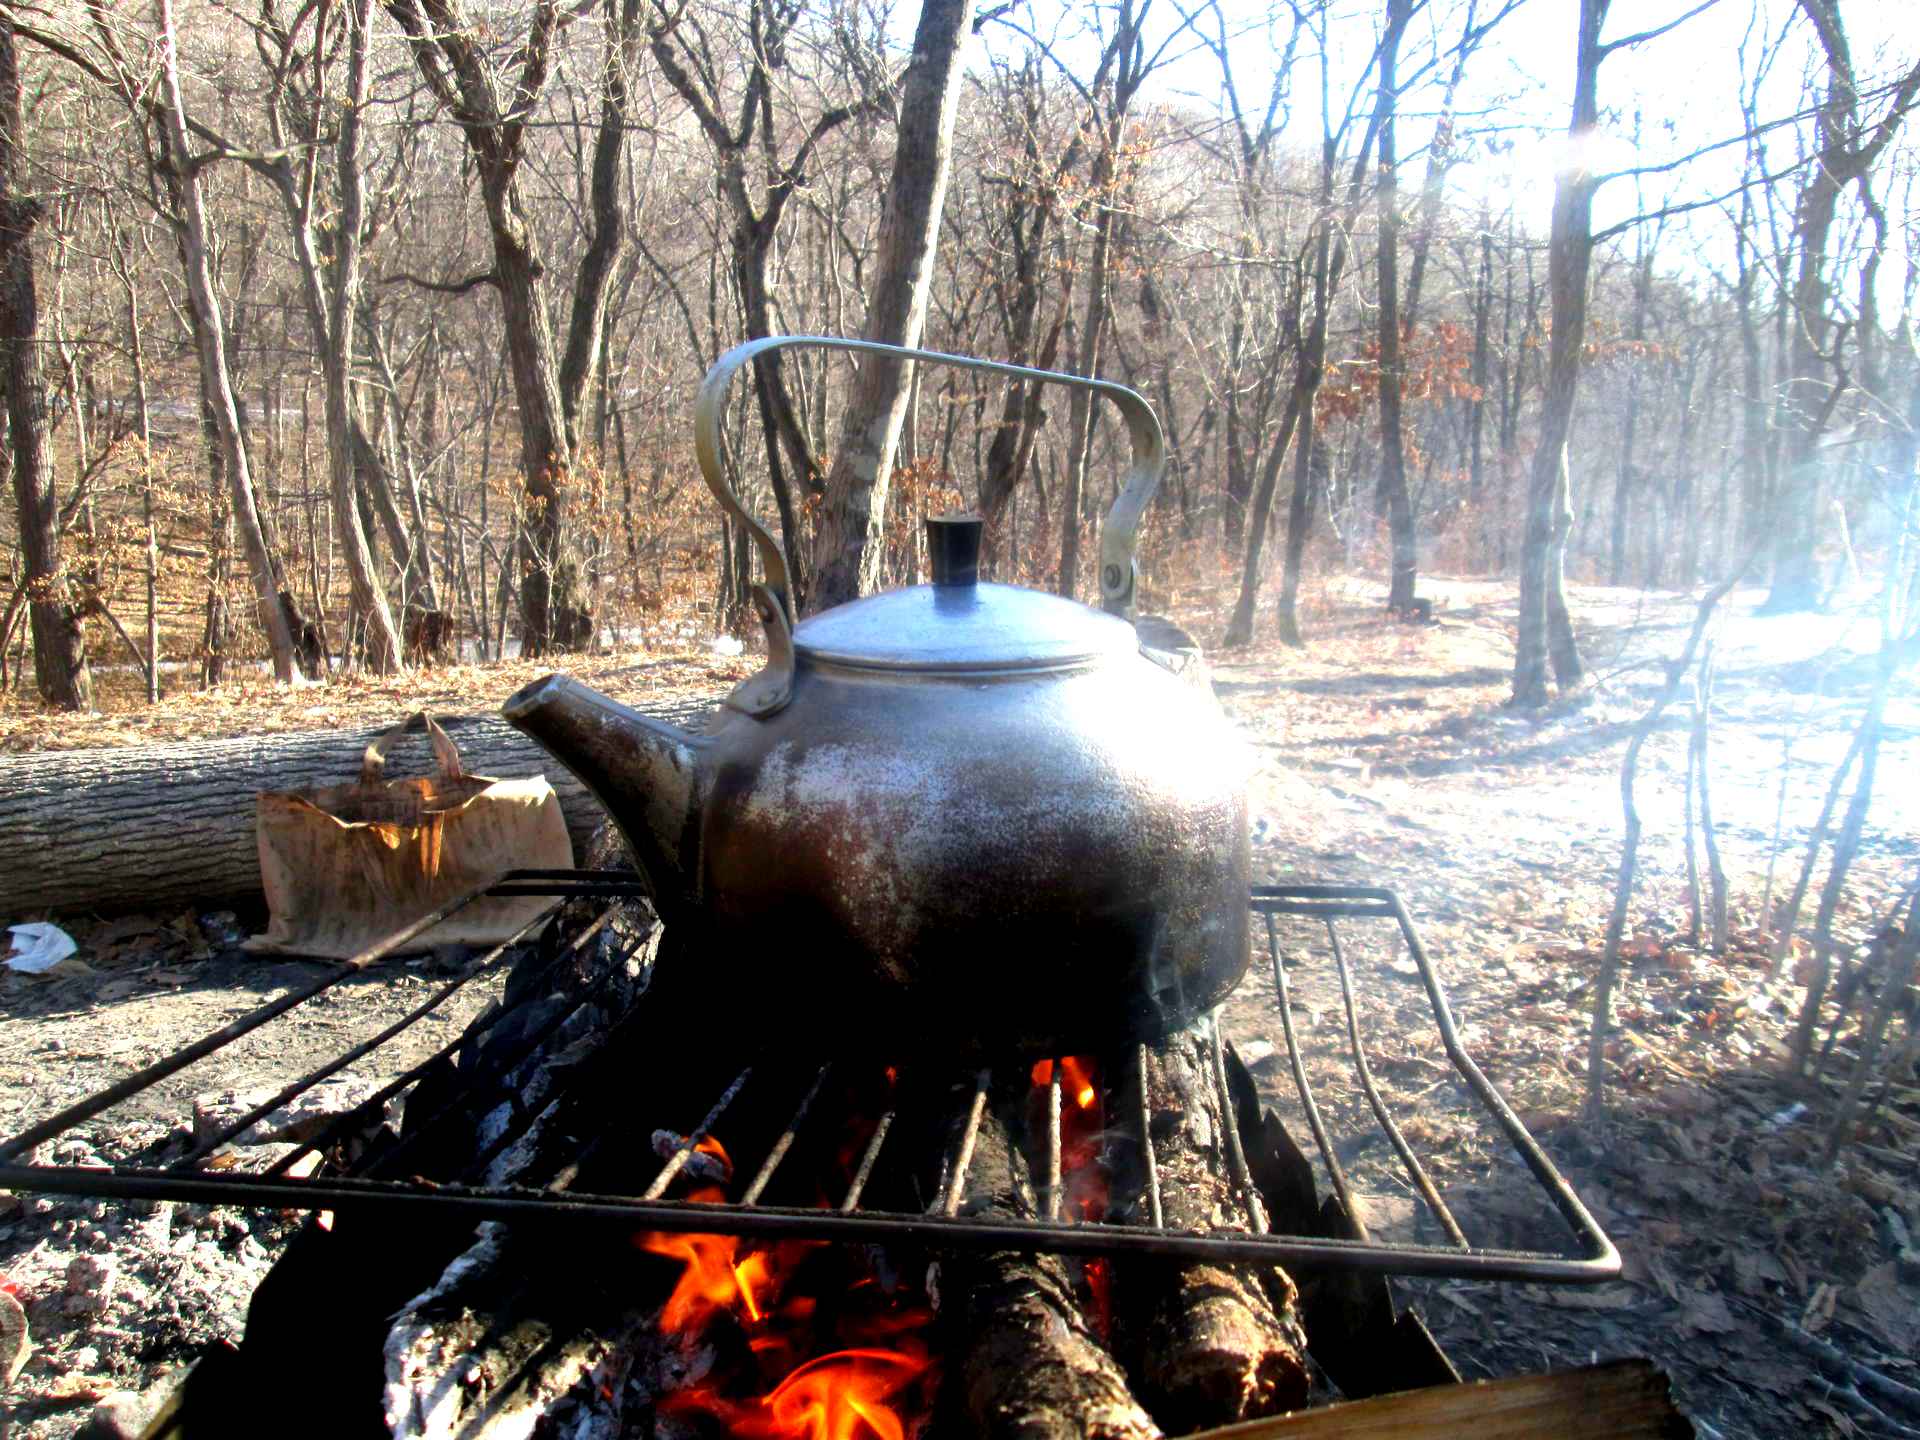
pixel 960 623
pixel 975 627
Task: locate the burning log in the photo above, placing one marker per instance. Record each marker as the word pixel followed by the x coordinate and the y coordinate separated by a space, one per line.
pixel 516 1331
pixel 1025 1362
pixel 1206 1344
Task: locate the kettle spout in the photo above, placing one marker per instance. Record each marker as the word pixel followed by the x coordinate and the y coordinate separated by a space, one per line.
pixel 650 776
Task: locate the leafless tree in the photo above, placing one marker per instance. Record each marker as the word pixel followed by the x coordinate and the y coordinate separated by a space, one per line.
pixel 848 542
pixel 59 643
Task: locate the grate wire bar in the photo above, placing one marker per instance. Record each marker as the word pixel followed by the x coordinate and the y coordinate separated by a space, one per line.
pixel 1589 1256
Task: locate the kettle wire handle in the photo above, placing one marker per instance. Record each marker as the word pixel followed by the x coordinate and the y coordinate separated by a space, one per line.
pixel 1118 538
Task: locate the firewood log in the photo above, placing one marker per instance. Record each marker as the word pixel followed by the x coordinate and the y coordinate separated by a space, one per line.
pixel 153 826
pixel 1024 1361
pixel 1206 1344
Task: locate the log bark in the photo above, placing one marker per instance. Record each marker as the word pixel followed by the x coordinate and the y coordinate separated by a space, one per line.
pixel 173 825
pixel 1206 1344
pixel 1024 1362
pixel 850 543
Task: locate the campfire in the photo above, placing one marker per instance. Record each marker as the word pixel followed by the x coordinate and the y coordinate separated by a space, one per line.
pixel 685 1232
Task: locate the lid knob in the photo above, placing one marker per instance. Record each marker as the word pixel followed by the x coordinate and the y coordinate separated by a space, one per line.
pixel 953 548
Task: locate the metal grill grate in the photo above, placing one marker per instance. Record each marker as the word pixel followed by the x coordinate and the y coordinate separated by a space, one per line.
pixel 1588 1257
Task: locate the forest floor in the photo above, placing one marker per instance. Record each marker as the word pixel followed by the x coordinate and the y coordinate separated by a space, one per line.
pixel 1384 757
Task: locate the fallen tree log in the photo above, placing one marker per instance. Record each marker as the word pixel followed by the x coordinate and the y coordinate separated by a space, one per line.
pixel 155 826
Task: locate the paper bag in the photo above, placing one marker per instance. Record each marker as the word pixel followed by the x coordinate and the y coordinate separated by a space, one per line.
pixel 345 866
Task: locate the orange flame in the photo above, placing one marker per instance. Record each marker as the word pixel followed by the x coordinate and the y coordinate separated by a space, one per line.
pixel 1076 1079
pixel 849 1394
pixel 842 1396
pixel 710 1282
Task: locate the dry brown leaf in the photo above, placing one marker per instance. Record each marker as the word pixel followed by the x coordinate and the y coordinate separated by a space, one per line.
pixel 1706 1312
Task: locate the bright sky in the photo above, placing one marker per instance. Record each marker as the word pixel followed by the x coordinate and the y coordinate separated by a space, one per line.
pixel 1684 86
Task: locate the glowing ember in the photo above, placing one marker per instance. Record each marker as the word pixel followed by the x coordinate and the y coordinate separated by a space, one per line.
pixel 842 1396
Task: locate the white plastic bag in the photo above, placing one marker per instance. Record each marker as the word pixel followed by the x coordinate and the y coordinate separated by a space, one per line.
pixel 38 947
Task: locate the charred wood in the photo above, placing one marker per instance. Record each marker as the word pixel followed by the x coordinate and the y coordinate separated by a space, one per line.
pixel 1206 1344
pixel 1023 1360
pixel 1361 1340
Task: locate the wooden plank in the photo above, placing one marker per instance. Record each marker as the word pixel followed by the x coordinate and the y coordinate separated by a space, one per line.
pixel 1621 1400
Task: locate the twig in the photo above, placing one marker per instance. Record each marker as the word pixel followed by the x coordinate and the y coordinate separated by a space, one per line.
pixel 1893 988
pixel 1687 824
pixel 1716 872
pixel 1783 935
pixel 1845 845
pixel 1864 1377
pixel 1677 669
pixel 1880 1417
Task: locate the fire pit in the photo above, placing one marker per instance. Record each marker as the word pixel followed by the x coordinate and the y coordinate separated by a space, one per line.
pixel 750 1223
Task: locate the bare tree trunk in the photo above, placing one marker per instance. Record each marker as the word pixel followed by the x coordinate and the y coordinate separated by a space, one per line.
pixel 137 357
pixel 1624 473
pixel 1393 455
pixel 59 642
pixel 1546 632
pixel 1240 625
pixel 849 540
pixel 1130 68
pixel 1080 412
pixel 1710 839
pixel 1846 151
pixel 1312 462
pixel 593 283
pixel 1477 406
pixel 492 109
pixel 1310 468
pixel 368 601
pixel 213 367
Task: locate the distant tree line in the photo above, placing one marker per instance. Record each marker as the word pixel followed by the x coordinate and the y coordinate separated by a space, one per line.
pixel 364 330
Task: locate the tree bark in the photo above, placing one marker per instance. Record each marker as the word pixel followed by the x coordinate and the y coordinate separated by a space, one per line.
pixel 1129 69
pixel 1080 409
pixel 59 641
pixel 368 601
pixel 1393 453
pixel 210 333
pixel 850 542
pixel 1546 632
pixel 593 283
pixel 1310 472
